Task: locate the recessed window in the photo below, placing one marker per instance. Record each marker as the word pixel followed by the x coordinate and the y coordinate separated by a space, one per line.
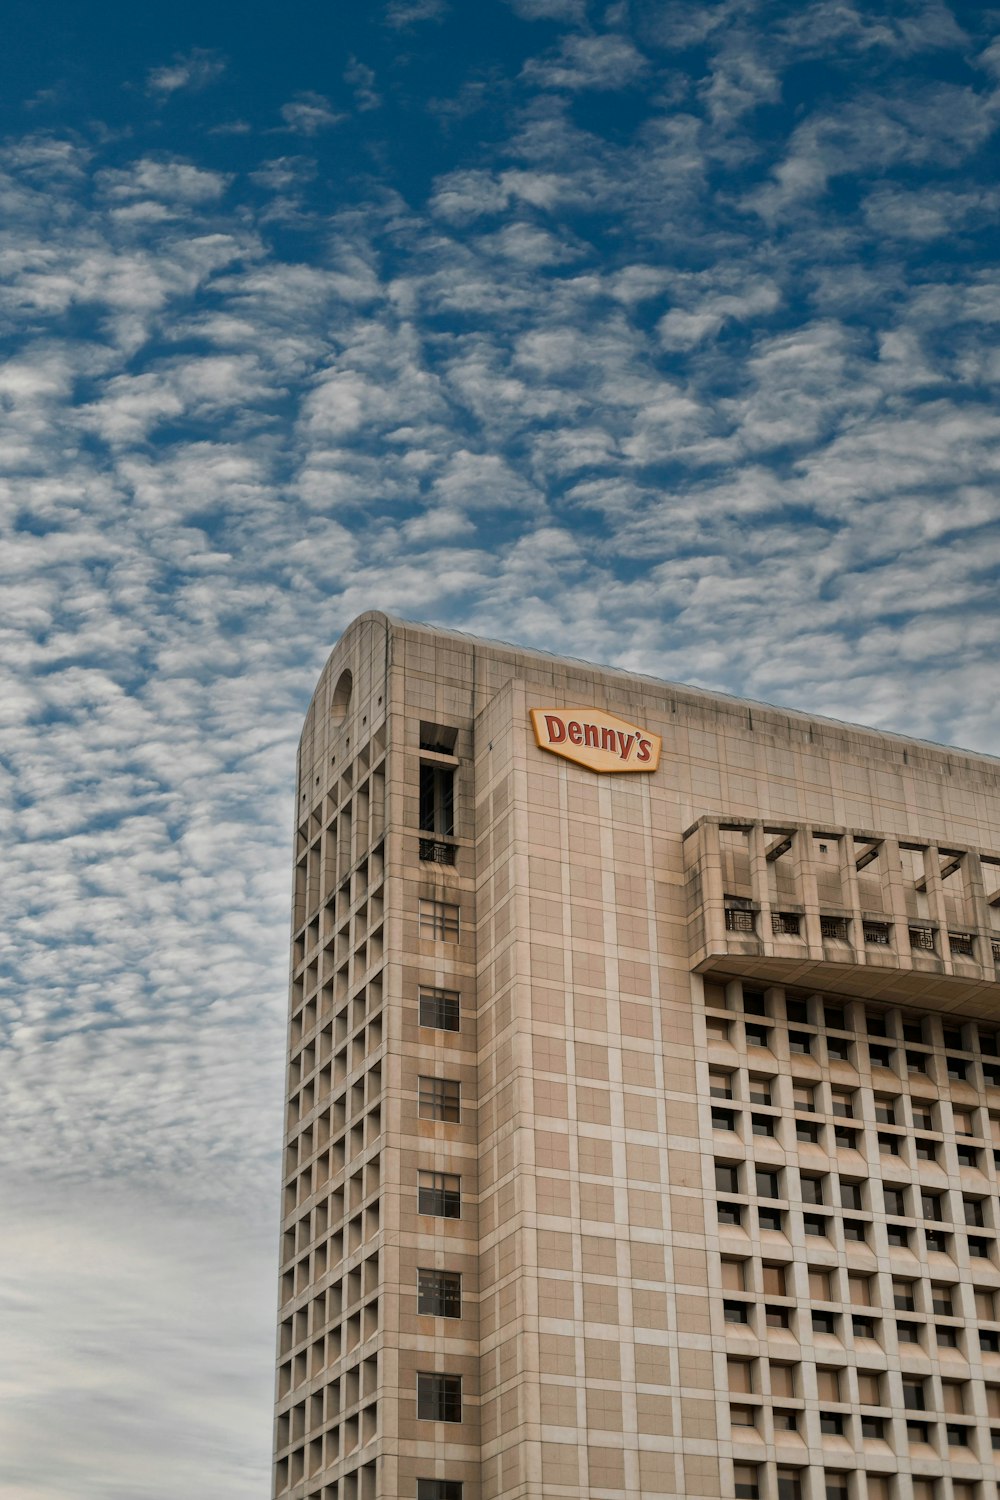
pixel 717 1029
pixel 797 1011
pixel 762 1125
pixel 439 1397
pixel 753 1003
pixel 773 1279
pixel 824 1322
pixel 863 1328
pixel 989 1341
pixel 851 1195
pixel 873 1428
pixel 735 1312
pixel 914 1397
pixel 972 1208
pixel 760 1091
pixel 888 1145
pixel 800 1042
pixel 845 1140
pixel 439 1294
pixel 439 1099
pixel 723 1119
pixel 727 1177
pixel 916 1062
pixel 908 1333
pixel 814 1224
pixel 439 1194
pixel 831 1423
pixel 804 1098
pixel 957 1435
pixel 931 1207
pixel 786 1419
pixel 968 1156
pixel 439 1009
pixel 923 1116
pixel 898 1236
pixel 936 1241
pixel 946 1336
pixel 855 1230
pixel 842 1103
pixel 758 1036
pixel 746 1484
pixel 439 920
pixel 743 1416
pixel 439 1489
pixel 917 1432
pixel 869 1388
pixel 813 1189
pixel 835 1017
pixel 979 1249
pixel 720 1084
pixel 838 1049
pixel 770 1219
pixel 806 1131
pixel 730 1213
pixel 880 1057
pixel 894 1200
pixel 903 1299
pixel 767 1184
pixel 776 1317
pixel 924 1149
pixel 789 1484
pixel 885 1110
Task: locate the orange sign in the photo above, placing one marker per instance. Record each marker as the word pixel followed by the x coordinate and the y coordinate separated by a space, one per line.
pixel 595 739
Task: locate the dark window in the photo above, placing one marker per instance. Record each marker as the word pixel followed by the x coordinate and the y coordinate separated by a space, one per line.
pixel 760 1091
pixel 439 1099
pixel 767 1184
pixel 947 1337
pixel 973 1210
pixel 913 1031
pixel 898 1236
pixel 863 1328
pixel 989 1341
pixel 835 1017
pixel 924 1149
pixel 873 1427
pixel 846 1140
pixel 439 1294
pixel 439 1398
pixel 979 1249
pixel 786 1420
pixel 720 1085
pixel 908 1333
pixel 730 1213
pixel 968 1156
pixel 913 1395
pixel 958 1069
pixel 439 920
pixel 805 1130
pixel 804 1098
pixel 814 1224
pixel 988 1043
pixel 440 1194
pixel 888 1145
pixel 838 1049
pixel 776 1317
pixel 877 933
pixel 786 924
pixel 770 1218
pixel 894 1199
pixel 723 1119
pixel 747 1486
pixel 727 1177
pixel 753 1003
pixel 991 1074
pixel 922 939
pixel 957 1435
pixel 739 919
pixel 797 1011
pixel 885 1110
pixel 813 1190
pixel 762 1124
pixel 941 1301
pixel 856 1230
pixel 736 1312
pixel 931 1207
pixel 875 1025
pixel 758 1036
pixel 437 799
pixel 923 1117
pixel 440 1009
pixel 789 1485
pixel 917 1432
pixel 832 1423
pixel 439 1489
pixel 936 1241
pixel 881 1057
pixel 824 1322
pixel 962 943
pixel 850 1195
pixel 916 1062
pixel 800 1042
pixel 834 927
pixel 953 1040
pixel 902 1296
pixel 842 1103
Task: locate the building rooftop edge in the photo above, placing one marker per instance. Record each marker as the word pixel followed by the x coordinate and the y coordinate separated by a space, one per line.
pixel 797 716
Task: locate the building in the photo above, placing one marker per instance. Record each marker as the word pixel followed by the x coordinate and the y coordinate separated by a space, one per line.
pixel 643 1093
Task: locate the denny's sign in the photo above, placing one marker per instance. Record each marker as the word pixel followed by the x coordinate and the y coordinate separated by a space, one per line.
pixel 595 739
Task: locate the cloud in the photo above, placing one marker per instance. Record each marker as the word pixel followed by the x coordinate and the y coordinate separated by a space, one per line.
pixel 610 61
pixel 400 14
pixel 361 80
pixel 192 71
pixel 309 113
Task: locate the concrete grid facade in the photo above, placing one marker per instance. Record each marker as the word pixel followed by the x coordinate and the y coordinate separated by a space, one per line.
pixel 642 1130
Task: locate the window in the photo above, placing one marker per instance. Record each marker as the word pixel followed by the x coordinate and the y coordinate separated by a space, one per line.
pixel 439 920
pixel 946 1337
pixel 885 1110
pixel 908 1333
pixel 953 1397
pixel 804 1097
pixel 762 1125
pixel 776 1317
pixel 831 1423
pixel 962 1121
pixel 957 1434
pixel 439 1489
pixel 730 1213
pixel 979 1249
pixel 846 1140
pixel 758 1036
pixel 789 1485
pixel 989 1341
pixel 834 1017
pixel 785 923
pixel 439 1099
pixel 797 1011
pixel 986 1308
pixel 440 1009
pixel 828 1385
pixel 760 1091
pixel 437 799
pixel 767 1184
pixel 723 1119
pixel 717 1029
pixel 863 1328
pixel 720 1084
pixel 727 1177
pixel 876 933
pixel 842 1101
pixel 745 1482
pixel 753 1003
pixel 805 1130
pixel 439 1294
pixel 869 1388
pixel 873 1427
pixel 836 1486
pixel 838 1049
pixel 736 1312
pixel 439 1397
pixel 856 1230
pixel 888 1145
pixel 743 1416
pixel 813 1189
pixel 936 1241
pixel 773 1280
pixel 922 939
pixel 916 1062
pixel 771 1219
pixel 957 1069
pixel 741 1376
pixel 440 1194
pixel 859 1290
pixel 968 1156
pixel 923 1116
pixel 734 1276
pixel 833 928
pixel 973 1211
pixel 913 1395
pixel 880 1057
pixel 898 1236
pixel 814 1224
pixel 824 1322
pixel 963 944
pixel 903 1299
pixel 918 1432
pixel 851 1195
pixel 924 1149
pixel 875 1025
pixel 894 1200
pixel 785 1419
pixel 783 1380
pixel 799 1042
pixel 931 1207
pixel 819 1285
pixel 739 919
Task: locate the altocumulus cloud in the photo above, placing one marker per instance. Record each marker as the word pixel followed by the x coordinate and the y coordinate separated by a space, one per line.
pixel 662 336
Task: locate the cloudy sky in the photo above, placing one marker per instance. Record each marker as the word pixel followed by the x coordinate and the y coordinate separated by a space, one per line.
pixel 662 333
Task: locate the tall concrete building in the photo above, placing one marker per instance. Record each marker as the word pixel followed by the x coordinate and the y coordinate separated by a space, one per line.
pixel 643 1093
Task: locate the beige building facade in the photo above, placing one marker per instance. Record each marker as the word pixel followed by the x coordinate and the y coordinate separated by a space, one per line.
pixel 643 1120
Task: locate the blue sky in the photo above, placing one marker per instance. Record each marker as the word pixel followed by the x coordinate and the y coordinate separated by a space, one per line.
pixel 660 334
